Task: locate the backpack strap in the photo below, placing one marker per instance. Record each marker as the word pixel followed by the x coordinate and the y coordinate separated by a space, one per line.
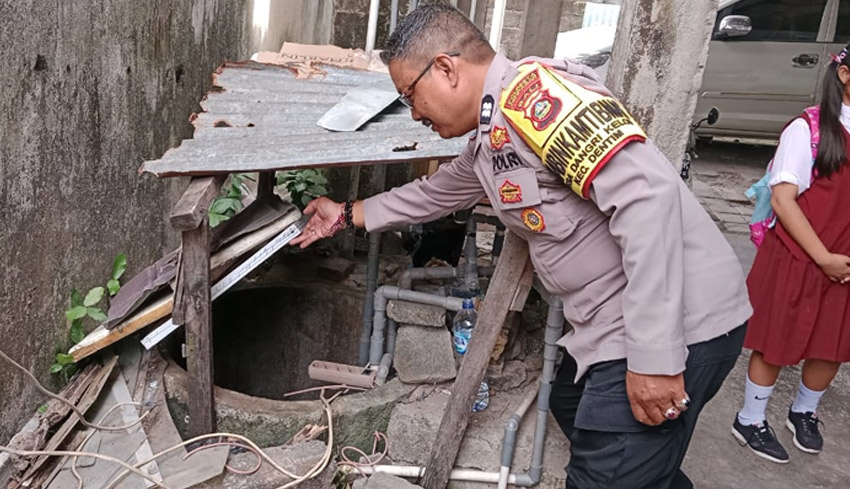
pixel 812 116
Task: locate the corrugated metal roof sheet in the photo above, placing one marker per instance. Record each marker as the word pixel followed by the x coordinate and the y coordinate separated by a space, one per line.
pixel 259 117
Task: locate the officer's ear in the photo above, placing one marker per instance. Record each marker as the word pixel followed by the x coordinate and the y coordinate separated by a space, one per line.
pixel 447 67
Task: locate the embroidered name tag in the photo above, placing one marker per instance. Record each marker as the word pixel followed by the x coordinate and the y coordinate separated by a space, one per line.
pixel 575 131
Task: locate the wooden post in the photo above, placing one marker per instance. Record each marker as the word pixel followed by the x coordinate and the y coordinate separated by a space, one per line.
pixel 192 303
pixel 500 295
pixel 195 283
pixel 265 185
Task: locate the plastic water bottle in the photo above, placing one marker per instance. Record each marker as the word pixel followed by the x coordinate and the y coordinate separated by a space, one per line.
pixel 482 400
pixel 464 323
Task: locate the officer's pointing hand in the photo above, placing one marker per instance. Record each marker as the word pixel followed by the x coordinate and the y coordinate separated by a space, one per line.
pixel 328 219
pixel 656 398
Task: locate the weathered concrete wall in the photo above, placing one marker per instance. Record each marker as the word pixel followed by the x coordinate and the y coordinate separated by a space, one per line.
pixel 657 65
pixel 276 21
pixel 90 90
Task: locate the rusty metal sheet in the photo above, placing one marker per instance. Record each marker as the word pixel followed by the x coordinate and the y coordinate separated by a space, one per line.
pixel 259 118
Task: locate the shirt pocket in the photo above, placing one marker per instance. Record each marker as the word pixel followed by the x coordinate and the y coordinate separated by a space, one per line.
pixel 517 189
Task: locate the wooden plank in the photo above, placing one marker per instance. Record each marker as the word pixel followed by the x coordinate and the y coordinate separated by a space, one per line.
pixel 195 202
pixel 503 287
pixel 526 283
pixel 220 262
pixel 85 403
pixel 101 337
pixel 265 185
pixel 195 281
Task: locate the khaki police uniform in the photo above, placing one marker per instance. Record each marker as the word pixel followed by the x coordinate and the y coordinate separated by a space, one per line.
pixel 646 278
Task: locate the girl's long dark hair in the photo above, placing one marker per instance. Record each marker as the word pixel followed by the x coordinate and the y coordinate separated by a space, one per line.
pixel 832 148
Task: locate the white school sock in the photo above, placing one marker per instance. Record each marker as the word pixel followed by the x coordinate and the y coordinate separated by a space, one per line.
pixel 807 400
pixel 755 403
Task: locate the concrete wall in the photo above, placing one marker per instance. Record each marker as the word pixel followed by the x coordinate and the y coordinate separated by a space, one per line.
pixel 572 14
pixel 276 21
pixel 90 89
pixel 657 65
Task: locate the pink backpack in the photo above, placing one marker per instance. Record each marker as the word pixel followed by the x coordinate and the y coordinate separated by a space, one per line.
pixel 763 216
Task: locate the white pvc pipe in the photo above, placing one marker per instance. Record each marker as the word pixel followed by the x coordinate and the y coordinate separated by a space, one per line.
pixel 410 471
pixel 498 22
pixel 393 15
pixel 372 31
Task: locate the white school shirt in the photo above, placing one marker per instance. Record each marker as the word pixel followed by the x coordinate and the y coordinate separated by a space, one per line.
pixel 793 161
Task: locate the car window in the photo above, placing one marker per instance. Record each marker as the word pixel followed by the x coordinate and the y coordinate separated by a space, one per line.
pixel 778 20
pixel 842 31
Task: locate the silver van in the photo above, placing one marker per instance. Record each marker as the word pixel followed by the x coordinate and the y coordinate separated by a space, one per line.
pixel 766 61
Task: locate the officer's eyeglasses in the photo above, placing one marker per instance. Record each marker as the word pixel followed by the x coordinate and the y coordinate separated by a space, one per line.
pixel 405 96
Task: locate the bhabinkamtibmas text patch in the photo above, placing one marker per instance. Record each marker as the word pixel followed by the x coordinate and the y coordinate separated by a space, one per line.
pixel 575 131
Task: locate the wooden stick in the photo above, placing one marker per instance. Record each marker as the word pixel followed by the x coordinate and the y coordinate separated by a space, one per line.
pixel 195 202
pixel 265 185
pixel 500 295
pixel 195 282
pixel 91 395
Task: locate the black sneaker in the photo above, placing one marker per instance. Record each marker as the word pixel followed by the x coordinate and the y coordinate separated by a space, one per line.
pixel 807 436
pixel 761 440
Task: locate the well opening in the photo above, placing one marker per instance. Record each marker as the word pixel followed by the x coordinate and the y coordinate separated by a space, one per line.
pixel 265 338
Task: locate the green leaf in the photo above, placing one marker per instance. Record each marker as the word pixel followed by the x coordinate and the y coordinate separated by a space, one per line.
pixel 318 190
pixel 55 368
pixel 300 187
pixel 215 219
pixel 96 314
pixel 64 359
pixel 113 286
pixel 70 369
pixel 119 266
pixel 75 313
pixel 93 297
pixel 221 205
pixel 305 199
pixel 76 298
pixel 77 333
pixel 43 408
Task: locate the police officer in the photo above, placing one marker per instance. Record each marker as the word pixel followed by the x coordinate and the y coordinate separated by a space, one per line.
pixel 653 291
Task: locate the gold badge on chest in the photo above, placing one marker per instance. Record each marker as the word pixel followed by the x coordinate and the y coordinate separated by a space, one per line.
pixel 533 220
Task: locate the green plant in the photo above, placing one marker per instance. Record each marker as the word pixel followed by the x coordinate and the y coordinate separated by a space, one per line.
pixel 229 202
pixel 82 307
pixel 303 185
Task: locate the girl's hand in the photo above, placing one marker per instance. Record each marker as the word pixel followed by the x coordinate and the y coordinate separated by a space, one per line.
pixel 327 220
pixel 836 267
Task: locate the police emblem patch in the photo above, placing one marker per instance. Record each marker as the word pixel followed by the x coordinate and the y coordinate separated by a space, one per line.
pixel 575 131
pixel 510 192
pixel 487 104
pixel 499 137
pixel 533 220
pixel 544 110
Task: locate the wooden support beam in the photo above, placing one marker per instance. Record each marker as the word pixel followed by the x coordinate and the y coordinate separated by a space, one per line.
pixel 540 22
pixel 494 311
pixel 195 281
pixel 195 202
pixel 265 185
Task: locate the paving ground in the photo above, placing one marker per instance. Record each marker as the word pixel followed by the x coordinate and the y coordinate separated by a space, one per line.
pixel 715 460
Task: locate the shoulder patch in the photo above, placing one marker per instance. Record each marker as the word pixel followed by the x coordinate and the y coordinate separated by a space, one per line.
pixel 487 104
pixel 575 131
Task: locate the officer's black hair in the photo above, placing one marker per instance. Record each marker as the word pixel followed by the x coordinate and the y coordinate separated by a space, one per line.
pixel 436 28
pixel 832 148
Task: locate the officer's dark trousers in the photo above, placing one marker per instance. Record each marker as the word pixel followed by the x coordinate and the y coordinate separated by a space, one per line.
pixel 609 449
